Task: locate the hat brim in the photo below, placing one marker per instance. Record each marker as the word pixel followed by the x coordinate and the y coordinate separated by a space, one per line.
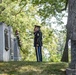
pixel 37 26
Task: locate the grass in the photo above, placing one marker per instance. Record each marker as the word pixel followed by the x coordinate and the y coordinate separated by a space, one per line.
pixel 32 68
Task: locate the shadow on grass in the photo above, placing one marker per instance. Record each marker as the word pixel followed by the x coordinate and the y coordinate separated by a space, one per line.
pixel 32 68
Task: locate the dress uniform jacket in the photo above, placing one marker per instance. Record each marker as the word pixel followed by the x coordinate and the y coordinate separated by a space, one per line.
pixel 38 38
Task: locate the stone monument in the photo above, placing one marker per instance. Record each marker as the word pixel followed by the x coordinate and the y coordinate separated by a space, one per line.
pixel 9 48
pixel 16 50
pixel 11 38
pixel 4 43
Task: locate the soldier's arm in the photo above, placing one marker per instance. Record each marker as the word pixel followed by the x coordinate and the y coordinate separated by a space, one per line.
pixel 39 37
pixel 37 42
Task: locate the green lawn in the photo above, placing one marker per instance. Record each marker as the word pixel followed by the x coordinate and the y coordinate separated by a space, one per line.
pixel 32 68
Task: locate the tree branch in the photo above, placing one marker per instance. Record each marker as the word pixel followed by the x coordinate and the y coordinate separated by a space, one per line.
pixel 20 10
pixel 65 6
pixel 2 9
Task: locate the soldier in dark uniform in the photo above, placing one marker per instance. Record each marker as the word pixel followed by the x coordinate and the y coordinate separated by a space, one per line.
pixel 38 43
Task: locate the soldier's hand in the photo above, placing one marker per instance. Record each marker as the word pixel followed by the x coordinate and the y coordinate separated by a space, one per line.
pixel 37 45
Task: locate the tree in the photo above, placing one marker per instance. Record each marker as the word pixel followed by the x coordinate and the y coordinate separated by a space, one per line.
pixel 71 28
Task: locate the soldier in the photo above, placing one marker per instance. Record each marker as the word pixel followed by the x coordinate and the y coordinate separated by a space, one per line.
pixel 38 43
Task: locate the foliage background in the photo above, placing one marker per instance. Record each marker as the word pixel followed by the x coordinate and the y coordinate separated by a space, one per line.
pixel 24 14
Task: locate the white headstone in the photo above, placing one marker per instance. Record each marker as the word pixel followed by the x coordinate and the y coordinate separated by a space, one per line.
pixel 11 38
pixel 9 49
pixel 16 50
pixel 4 43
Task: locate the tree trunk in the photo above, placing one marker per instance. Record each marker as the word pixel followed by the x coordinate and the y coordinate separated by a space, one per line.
pixel 71 29
pixel 71 24
pixel 65 53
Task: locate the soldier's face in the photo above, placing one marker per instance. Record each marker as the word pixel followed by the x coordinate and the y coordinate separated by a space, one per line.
pixel 36 29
